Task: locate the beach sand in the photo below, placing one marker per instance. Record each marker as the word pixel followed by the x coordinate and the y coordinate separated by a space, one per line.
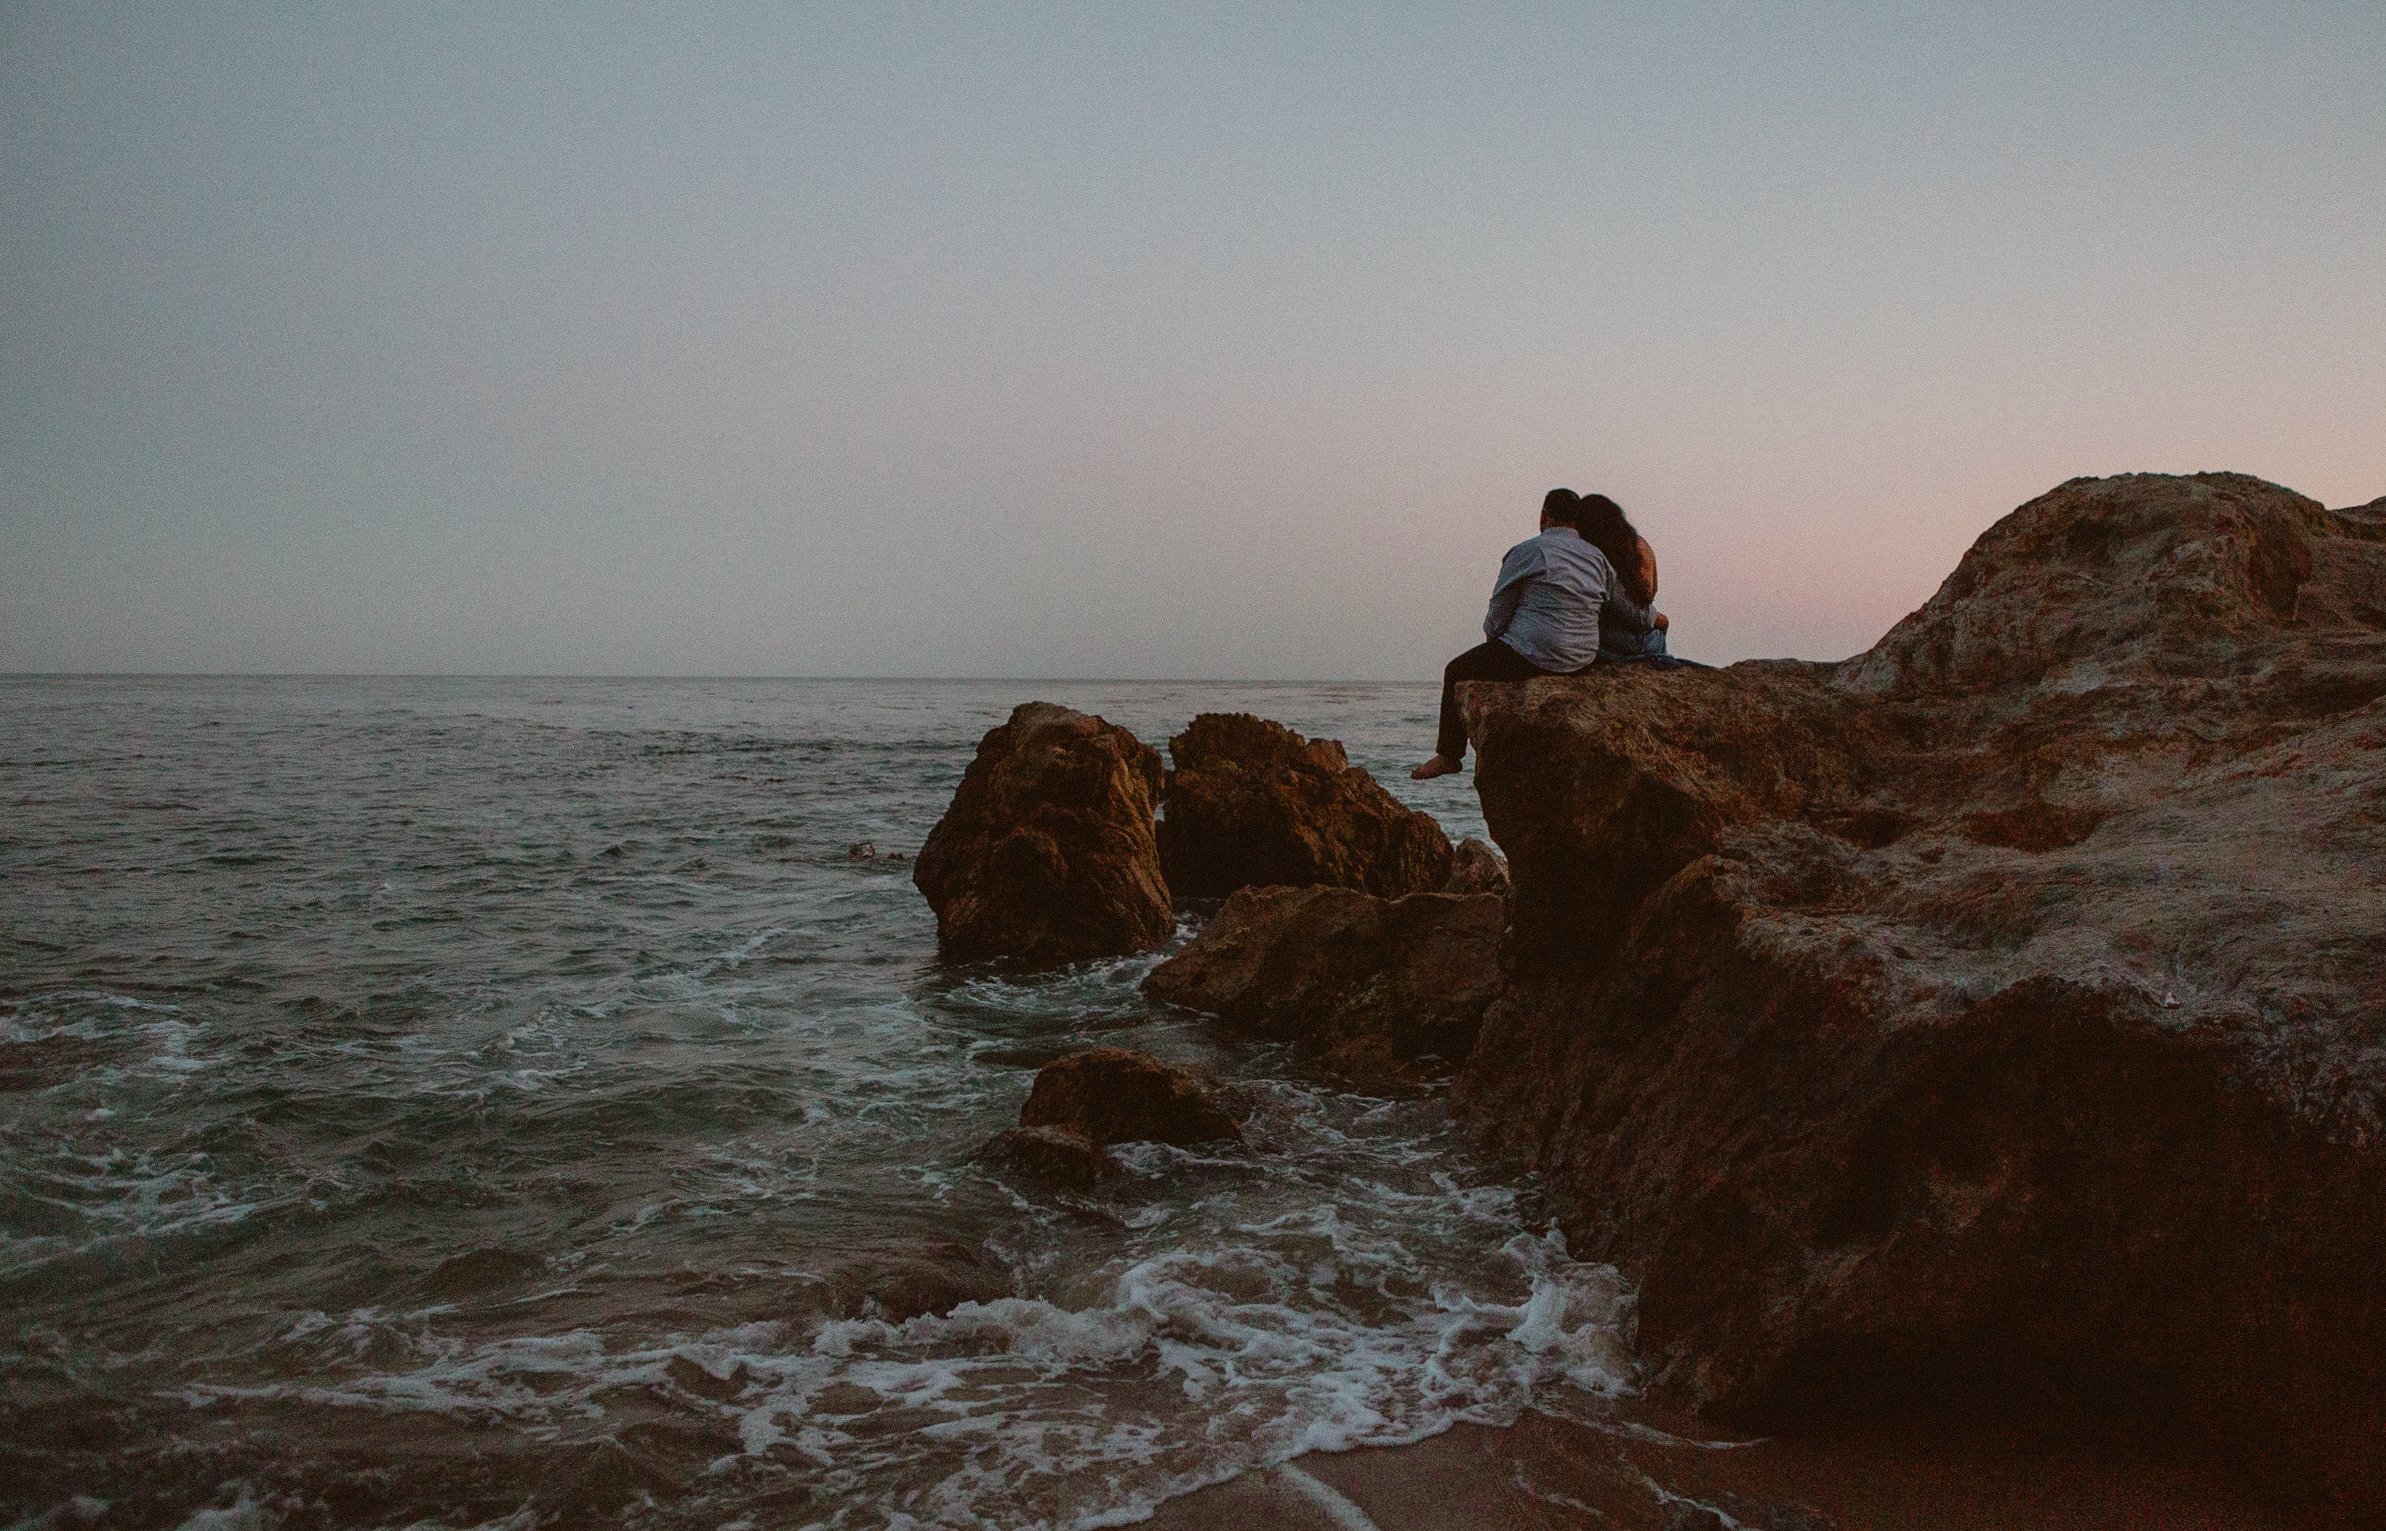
pixel 1633 1473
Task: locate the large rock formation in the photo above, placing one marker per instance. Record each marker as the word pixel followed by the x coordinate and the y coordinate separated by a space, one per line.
pixel 1250 803
pixel 1999 1016
pixel 1047 853
pixel 1376 987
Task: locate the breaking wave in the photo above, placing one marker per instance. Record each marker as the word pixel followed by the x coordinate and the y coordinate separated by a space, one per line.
pixel 486 1104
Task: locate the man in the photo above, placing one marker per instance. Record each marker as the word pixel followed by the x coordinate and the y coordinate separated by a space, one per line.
pixel 1543 620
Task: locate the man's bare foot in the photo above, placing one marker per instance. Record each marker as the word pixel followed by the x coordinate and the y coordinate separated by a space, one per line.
pixel 1439 765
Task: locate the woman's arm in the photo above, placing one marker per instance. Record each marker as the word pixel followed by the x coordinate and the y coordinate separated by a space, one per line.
pixel 1644 579
pixel 1622 611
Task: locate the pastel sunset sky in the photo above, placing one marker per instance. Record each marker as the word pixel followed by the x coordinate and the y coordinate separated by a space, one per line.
pixel 1129 340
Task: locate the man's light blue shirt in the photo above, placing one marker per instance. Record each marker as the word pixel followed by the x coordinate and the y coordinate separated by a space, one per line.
pixel 1546 604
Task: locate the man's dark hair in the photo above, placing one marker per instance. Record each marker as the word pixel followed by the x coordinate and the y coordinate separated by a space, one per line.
pixel 1561 506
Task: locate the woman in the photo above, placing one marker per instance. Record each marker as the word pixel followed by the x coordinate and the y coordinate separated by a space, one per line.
pixel 1629 626
pixel 1545 618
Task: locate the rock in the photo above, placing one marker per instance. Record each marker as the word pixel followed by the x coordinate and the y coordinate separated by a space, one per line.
pixel 1052 1154
pixel 1046 855
pixel 1994 1020
pixel 1111 1095
pixel 1476 868
pixel 1253 804
pixel 1373 986
pixel 862 850
pixel 46 1061
pixel 478 1272
pixel 899 1278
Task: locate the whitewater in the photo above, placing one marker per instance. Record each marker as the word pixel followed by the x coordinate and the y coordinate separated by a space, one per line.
pixel 534 1102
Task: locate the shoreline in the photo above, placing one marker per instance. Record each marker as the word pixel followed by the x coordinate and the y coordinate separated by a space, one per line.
pixel 1545 1473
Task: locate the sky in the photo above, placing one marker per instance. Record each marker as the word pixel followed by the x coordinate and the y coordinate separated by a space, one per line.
pixel 1123 340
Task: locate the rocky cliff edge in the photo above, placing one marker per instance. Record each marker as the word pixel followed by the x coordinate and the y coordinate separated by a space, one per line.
pixel 1997 1017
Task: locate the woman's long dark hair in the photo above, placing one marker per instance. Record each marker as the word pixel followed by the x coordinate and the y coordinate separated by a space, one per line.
pixel 1602 523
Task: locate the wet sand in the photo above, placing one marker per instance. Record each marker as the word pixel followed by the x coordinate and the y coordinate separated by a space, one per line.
pixel 1545 1474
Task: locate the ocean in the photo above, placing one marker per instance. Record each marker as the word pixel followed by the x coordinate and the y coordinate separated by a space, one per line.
pixel 514 1102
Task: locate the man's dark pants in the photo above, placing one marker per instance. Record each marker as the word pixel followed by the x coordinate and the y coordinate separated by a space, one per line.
pixel 1485 661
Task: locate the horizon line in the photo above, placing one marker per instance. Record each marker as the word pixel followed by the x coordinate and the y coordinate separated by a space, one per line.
pixel 535 675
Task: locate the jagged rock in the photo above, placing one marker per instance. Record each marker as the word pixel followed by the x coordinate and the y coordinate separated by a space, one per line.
pixel 1053 1154
pixel 1046 855
pixel 1998 1016
pixel 1476 868
pixel 1111 1095
pixel 1250 803
pixel 1373 986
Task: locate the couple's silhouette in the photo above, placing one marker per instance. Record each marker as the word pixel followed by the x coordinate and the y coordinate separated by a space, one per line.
pixel 1581 592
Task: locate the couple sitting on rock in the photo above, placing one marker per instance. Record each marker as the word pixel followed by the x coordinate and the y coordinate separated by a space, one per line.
pixel 1578 593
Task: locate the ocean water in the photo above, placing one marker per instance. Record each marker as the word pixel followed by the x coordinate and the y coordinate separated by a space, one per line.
pixel 514 1103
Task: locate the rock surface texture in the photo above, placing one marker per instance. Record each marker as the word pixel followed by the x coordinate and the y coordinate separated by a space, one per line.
pixel 901 1279
pixel 1112 1095
pixel 1054 1155
pixel 1996 1019
pixel 1047 854
pixel 1250 803
pixel 1476 868
pixel 1376 987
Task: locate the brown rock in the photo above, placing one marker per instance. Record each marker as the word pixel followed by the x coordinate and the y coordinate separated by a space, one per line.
pixel 901 1278
pixel 1111 1095
pixel 1053 1154
pixel 46 1061
pixel 1998 1017
pixel 1253 804
pixel 1476 868
pixel 1046 855
pixel 1375 986
pixel 478 1272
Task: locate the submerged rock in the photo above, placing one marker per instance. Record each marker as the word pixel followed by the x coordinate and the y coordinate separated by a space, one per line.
pixel 1375 987
pixel 1055 1155
pixel 905 1278
pixel 1250 803
pixel 478 1272
pixel 1046 855
pixel 1998 1016
pixel 1111 1095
